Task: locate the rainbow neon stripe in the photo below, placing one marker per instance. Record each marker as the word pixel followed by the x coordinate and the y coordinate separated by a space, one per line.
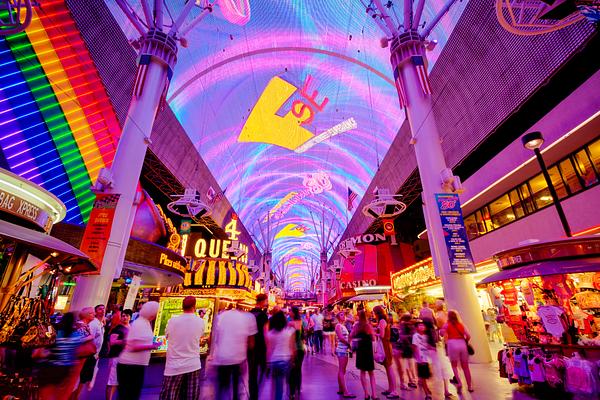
pixel 57 125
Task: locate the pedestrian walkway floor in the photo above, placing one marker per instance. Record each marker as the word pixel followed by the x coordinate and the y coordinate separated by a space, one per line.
pixel 320 383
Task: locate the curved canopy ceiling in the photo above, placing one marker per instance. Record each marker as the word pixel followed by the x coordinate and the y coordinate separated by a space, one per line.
pixel 239 91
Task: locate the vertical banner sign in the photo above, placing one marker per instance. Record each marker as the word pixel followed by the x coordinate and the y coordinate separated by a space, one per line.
pixel 455 234
pixel 388 227
pixel 97 231
pixel 134 286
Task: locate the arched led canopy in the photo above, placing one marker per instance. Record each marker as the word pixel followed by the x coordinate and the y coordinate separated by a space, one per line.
pixel 291 110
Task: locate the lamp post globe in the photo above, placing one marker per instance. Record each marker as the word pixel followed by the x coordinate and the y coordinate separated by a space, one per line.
pixel 532 140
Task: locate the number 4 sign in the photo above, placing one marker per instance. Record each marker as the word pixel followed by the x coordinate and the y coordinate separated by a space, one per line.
pixel 231 229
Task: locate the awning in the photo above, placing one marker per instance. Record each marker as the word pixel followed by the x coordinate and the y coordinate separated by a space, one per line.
pixel 554 267
pixel 42 245
pixel 368 297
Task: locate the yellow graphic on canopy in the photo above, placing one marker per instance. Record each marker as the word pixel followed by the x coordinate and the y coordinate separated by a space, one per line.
pixel 291 230
pixel 295 261
pixel 265 126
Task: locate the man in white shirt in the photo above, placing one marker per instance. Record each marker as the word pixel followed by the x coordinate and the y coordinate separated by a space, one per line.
pixel 317 320
pixel 234 335
pixel 183 334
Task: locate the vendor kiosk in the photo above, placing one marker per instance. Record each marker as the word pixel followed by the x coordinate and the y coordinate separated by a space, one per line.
pixel 216 284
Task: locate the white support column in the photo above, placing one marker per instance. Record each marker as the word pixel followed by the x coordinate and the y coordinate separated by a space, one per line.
pixel 126 169
pixel 459 289
pixel 324 277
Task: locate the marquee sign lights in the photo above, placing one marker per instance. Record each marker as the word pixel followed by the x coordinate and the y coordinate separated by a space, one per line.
pixel 416 276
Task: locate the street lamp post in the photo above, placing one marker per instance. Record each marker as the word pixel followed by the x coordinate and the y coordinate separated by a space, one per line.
pixel 533 141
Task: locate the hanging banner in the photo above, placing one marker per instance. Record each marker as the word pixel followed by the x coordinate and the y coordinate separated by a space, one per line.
pixel 455 234
pixel 134 286
pixel 97 231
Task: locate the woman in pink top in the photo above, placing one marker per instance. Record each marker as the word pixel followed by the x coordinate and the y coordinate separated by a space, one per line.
pixel 456 337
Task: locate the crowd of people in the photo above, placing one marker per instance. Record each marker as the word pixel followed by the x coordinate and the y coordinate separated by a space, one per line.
pixel 249 347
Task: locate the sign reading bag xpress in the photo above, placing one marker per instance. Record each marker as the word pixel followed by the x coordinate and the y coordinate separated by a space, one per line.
pixel 20 207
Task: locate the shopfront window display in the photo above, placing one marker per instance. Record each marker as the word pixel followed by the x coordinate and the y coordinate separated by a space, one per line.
pixel 551 309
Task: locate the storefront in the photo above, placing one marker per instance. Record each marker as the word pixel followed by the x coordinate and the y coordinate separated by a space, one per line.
pixel 549 293
pixel 365 279
pixel 146 265
pixel 418 282
pixel 30 259
pixel 548 297
pixel 32 265
pixel 217 285
pixel 217 276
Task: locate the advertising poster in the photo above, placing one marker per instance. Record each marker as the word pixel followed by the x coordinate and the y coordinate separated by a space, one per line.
pixel 97 231
pixel 455 234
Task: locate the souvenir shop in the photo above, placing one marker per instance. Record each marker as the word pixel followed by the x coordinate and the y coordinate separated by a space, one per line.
pixel 418 282
pixel 548 294
pixel 32 266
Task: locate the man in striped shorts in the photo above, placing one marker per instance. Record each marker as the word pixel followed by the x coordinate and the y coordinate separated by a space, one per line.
pixel 182 368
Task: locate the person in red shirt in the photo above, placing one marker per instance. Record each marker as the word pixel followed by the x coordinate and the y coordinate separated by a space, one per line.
pixel 456 337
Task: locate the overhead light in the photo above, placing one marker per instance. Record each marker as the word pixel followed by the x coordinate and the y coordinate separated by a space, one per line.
pixel 532 140
pixel 546 198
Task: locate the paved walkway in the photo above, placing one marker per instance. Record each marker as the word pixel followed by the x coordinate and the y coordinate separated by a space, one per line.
pixel 320 383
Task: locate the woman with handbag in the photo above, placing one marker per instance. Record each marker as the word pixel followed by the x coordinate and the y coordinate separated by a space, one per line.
pixel 362 344
pixel 457 345
pixel 384 333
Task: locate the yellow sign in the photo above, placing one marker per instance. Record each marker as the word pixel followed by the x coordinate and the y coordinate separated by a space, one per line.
pixel 175 238
pixel 265 126
pixel 416 276
pixel 291 230
pixel 168 262
pixel 217 248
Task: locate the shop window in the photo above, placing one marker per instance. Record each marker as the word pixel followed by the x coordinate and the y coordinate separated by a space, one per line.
pixel 501 211
pixel 480 224
pixel 526 199
pixel 471 226
pixel 486 219
pixel 570 176
pixel 557 181
pixel 540 193
pixel 516 202
pixel 594 151
pixel 584 167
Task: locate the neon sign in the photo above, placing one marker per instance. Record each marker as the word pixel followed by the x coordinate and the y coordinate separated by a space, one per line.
pixel 174 238
pixel 219 248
